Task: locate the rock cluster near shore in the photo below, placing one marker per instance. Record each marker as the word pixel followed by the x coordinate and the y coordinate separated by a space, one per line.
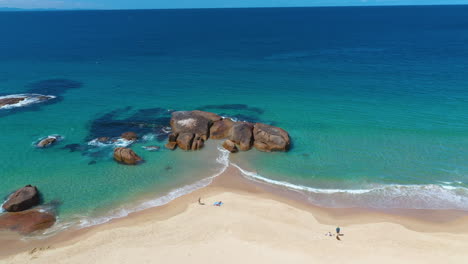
pixel 20 217
pixel 190 129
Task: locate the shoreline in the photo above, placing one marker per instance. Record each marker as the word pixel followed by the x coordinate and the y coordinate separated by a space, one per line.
pixel 233 184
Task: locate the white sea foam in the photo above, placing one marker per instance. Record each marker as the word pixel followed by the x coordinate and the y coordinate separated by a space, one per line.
pixel 148 137
pixel 120 142
pixel 166 130
pixel 429 196
pixel 30 99
pixel 1 206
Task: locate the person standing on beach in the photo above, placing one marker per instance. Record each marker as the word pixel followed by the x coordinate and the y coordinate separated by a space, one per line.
pixel 338 231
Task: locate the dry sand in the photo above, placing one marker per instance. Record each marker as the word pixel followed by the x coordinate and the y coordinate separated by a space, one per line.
pixel 254 226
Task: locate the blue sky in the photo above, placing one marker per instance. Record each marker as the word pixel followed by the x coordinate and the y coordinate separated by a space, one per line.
pixel 143 4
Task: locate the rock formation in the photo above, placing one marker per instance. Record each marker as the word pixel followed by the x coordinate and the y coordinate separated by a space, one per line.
pixel 129 136
pixel 126 156
pixel 241 134
pixel 27 221
pixel 22 199
pixel 14 100
pixel 190 129
pixel 221 128
pixel 230 146
pixel 269 138
pixel 46 142
pixel 11 101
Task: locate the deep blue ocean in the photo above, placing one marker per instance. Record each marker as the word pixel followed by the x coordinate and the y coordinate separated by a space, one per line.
pixel 375 100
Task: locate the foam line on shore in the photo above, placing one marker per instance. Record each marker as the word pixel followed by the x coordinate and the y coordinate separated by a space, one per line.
pixel 83 222
pixel 428 196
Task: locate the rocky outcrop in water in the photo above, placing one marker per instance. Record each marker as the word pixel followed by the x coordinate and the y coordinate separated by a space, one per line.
pixel 11 101
pixel 129 136
pixel 269 138
pixel 28 221
pixel 230 146
pixel 19 100
pixel 126 156
pixel 190 129
pixel 221 129
pixel 241 134
pixel 22 199
pixel 46 142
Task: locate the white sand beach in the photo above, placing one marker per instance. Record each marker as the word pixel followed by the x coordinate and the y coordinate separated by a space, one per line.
pixel 253 226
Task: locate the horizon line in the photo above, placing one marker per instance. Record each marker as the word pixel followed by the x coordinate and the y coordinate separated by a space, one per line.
pixel 17 9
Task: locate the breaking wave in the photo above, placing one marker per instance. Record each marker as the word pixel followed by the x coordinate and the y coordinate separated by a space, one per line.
pixel 428 196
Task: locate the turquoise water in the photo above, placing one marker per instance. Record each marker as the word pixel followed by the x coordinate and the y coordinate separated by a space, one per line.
pixel 376 110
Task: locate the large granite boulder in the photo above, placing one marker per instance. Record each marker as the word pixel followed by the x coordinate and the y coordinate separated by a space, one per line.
pixel 22 199
pixel 241 134
pixel 129 136
pixel 171 141
pixel 190 129
pixel 230 146
pixel 46 142
pixel 185 140
pixel 193 122
pixel 221 129
pixel 28 221
pixel 126 156
pixel 270 138
pixel 197 143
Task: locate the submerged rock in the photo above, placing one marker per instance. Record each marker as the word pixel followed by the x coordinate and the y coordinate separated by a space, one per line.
pixel 10 101
pixel 46 142
pixel 270 138
pixel 22 199
pixel 129 136
pixel 126 156
pixel 28 221
pixel 20 100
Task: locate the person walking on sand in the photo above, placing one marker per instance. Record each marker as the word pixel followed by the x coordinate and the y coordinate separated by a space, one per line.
pixel 338 230
pixel 200 202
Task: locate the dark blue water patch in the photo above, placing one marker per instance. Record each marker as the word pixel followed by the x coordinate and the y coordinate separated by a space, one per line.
pixel 53 86
pixel 74 147
pixel 143 121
